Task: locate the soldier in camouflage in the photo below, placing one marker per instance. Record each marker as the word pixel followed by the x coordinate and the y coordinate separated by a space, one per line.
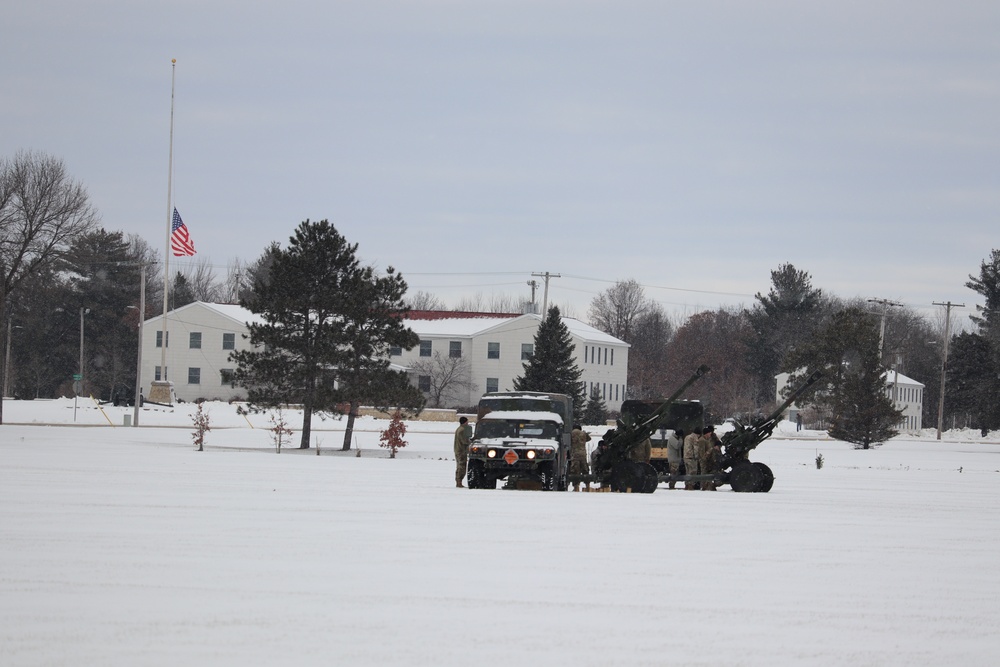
pixel 675 455
pixel 643 452
pixel 463 438
pixel 578 454
pixel 691 466
pixel 706 455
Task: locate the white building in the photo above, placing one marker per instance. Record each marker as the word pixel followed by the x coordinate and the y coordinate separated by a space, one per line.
pixel 496 347
pixel 201 336
pixel 906 393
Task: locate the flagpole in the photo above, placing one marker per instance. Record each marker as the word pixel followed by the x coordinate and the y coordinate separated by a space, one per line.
pixel 166 247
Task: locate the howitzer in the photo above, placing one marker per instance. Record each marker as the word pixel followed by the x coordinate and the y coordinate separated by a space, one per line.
pixel 744 475
pixel 612 462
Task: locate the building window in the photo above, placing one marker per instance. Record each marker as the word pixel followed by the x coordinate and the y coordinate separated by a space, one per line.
pixel 492 350
pixel 527 350
pixel 586 350
pixel 425 348
pixel 156 374
pixel 194 340
pixel 492 384
pixel 605 356
pixel 455 349
pixel 612 356
pixel 194 376
pixel 228 341
pixel 395 351
pixel 226 375
pixel 159 338
pixel 424 382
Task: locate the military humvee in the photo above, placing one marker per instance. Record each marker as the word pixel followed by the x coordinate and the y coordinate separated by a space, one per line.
pixel 523 438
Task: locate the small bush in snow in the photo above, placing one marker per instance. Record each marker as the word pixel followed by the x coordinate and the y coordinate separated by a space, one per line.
pixel 392 437
pixel 280 432
pixel 819 461
pixel 201 427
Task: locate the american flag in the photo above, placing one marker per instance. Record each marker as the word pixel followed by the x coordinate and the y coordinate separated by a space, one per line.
pixel 180 241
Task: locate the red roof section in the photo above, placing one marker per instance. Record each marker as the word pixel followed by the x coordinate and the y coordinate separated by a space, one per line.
pixel 453 314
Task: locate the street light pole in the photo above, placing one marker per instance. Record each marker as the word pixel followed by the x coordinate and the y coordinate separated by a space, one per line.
pixel 6 361
pixel 83 311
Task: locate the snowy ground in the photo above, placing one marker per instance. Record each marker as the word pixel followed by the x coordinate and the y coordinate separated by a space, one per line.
pixel 124 546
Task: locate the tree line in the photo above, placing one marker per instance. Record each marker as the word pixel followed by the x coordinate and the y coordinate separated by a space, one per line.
pixel 61 272
pixel 797 328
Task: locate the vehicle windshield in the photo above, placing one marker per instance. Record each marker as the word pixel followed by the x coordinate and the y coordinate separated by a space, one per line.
pixel 512 428
pixel 489 404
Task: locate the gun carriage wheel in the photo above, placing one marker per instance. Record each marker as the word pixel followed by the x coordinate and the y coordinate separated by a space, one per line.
pixel 767 477
pixel 746 478
pixel 634 476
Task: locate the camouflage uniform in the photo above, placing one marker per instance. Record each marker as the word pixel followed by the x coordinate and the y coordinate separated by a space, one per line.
pixel 463 438
pixel 706 457
pixel 675 455
pixel 578 455
pixel 643 453
pixel 691 458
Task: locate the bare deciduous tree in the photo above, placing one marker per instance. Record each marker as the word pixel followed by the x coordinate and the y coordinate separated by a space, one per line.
pixel 42 211
pixel 202 281
pixel 425 301
pixel 615 310
pixel 447 374
pixel 496 303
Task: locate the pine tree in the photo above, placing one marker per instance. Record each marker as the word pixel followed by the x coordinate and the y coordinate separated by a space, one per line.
pixel 863 412
pixel 596 413
pixel 853 387
pixel 327 326
pixel 987 319
pixel 551 367
pixel 782 319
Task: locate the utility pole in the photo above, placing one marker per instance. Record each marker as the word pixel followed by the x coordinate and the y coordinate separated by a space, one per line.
pixel 545 298
pixel 534 286
pixel 885 309
pixel 944 358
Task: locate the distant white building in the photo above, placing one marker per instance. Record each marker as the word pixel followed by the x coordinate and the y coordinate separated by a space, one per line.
pixel 201 336
pixel 906 393
pixel 497 346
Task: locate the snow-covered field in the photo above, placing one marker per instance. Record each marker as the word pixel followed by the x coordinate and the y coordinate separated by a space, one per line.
pixel 125 546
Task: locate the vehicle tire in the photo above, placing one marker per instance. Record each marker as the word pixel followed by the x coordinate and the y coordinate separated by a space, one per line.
pixel 489 481
pixel 766 477
pixel 475 477
pixel 547 473
pixel 745 478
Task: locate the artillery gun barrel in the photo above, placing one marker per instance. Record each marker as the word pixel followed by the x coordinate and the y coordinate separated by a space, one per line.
pixel 656 418
pixel 743 439
pixel 629 435
pixel 801 389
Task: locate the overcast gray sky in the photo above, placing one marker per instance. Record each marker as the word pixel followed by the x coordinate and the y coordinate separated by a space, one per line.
pixel 692 146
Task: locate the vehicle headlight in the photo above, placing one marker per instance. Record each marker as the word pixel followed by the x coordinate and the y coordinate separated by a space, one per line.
pixel 475 449
pixel 531 454
pixel 491 454
pixel 548 451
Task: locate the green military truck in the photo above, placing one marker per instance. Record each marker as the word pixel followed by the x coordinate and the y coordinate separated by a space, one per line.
pixel 522 438
pixel 685 415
